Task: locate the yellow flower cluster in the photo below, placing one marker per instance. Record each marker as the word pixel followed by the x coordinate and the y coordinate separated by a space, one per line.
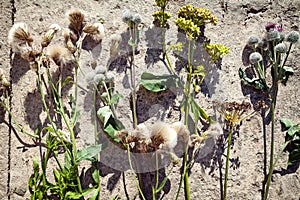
pixel 216 50
pixel 161 16
pixel 188 26
pixel 200 16
pixel 161 3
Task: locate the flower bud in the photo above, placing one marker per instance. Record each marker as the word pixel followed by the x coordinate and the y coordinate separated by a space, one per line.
pixel 273 35
pixel 137 19
pixel 127 16
pixel 90 77
pixel 281 48
pixel 292 37
pixel 252 40
pixel 98 78
pixel 109 77
pixel 255 58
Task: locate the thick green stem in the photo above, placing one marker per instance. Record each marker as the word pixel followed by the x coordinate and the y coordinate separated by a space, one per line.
pixel 273 99
pixel 272 142
pixel 231 125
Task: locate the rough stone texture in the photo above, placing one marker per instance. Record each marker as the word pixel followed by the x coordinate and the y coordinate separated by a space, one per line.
pixel 5 149
pixel 237 20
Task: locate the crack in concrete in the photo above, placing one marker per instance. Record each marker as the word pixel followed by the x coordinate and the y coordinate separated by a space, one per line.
pixel 13 11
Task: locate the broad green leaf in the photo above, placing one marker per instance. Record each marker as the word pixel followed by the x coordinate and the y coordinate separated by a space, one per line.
pixel 89 153
pixel 104 113
pixel 110 130
pixel 157 83
pixel 286 122
pixel 115 98
pixel 292 130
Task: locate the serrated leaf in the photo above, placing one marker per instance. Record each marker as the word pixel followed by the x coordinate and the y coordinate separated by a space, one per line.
pixel 157 83
pixel 89 153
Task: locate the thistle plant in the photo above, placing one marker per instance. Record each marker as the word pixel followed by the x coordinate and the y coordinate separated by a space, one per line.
pixel 42 58
pixel 273 51
pixel 133 21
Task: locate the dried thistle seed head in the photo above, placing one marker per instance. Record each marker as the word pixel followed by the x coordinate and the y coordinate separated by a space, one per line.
pixel 292 37
pixel 115 41
pixel 141 132
pixel 182 132
pixel 76 18
pixel 30 53
pixel 163 136
pixel 280 48
pixel 48 36
pixel 70 46
pixel 95 31
pixel 232 111
pixel 122 134
pixel 19 36
pixel 255 57
pixel 60 55
pixel 67 34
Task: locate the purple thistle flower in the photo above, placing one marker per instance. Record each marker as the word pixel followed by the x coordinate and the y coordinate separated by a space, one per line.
pixel 270 26
pixel 279 27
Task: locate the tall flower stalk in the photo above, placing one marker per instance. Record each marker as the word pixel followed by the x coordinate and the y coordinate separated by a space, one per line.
pixel 233 113
pixel 133 21
pixel 271 50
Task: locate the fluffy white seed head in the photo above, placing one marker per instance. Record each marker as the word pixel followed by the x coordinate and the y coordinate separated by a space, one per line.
pixel 60 55
pixel 19 37
pixel 95 31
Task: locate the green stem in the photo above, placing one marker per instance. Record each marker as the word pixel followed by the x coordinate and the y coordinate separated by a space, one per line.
pixel 273 99
pixel 132 70
pixel 134 174
pixel 272 143
pixel 231 125
pixel 71 130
